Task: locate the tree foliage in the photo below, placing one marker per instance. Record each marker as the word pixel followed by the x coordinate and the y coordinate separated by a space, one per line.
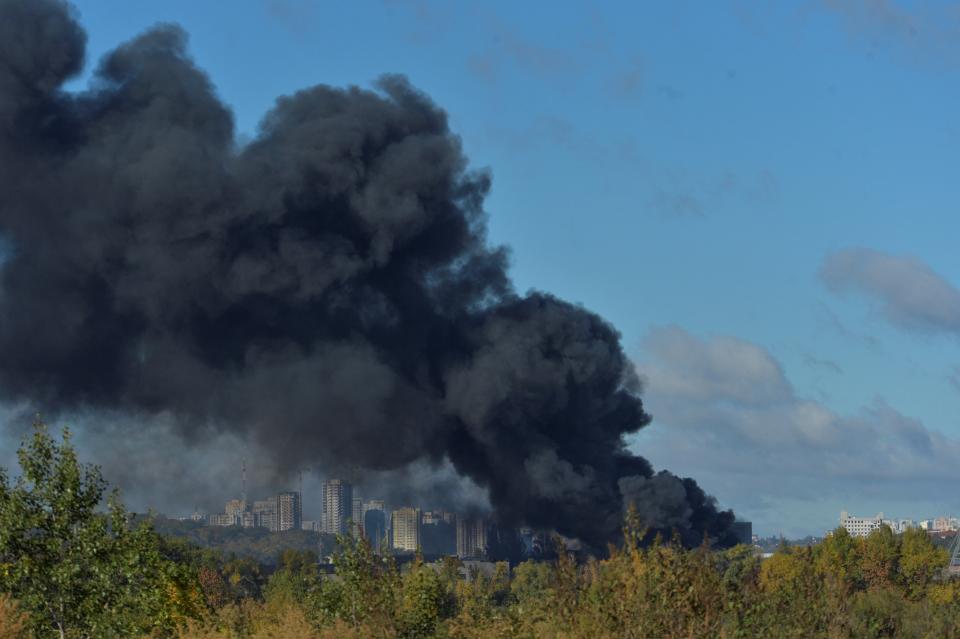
pixel 76 571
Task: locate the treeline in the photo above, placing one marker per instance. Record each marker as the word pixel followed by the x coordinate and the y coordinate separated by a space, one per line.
pixel 259 544
pixel 67 571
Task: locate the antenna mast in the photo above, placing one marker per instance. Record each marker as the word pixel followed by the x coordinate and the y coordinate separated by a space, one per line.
pixel 243 479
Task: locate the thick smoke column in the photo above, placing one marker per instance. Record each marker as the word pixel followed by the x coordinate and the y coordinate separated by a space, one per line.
pixel 327 288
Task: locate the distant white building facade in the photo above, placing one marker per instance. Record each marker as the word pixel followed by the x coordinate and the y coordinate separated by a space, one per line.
pixel 861 526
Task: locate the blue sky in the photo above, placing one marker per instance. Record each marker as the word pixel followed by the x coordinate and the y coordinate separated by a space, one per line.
pixel 748 191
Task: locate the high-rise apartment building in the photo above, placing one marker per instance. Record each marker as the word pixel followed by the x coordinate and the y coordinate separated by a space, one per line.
pixel 471 537
pixel 374 504
pixel 265 514
pixel 289 513
pixel 375 528
pixel 405 524
pixel 356 516
pixel 337 506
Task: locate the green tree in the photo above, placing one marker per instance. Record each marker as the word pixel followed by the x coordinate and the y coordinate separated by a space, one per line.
pixel 295 581
pixel 920 561
pixel 76 571
pixel 879 554
pixel 424 602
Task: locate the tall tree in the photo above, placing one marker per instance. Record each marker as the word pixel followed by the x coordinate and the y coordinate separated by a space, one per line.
pixel 79 572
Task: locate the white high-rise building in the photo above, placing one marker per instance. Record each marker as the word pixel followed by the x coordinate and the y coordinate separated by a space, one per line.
pixel 405 525
pixel 337 506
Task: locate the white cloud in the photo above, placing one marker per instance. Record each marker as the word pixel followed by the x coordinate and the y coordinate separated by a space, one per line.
pixel 725 413
pixel 912 295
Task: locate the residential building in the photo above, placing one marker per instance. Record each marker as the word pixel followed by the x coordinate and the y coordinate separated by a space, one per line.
pixel 941 524
pixel 265 514
pixel 235 509
pixel 289 513
pixel 356 516
pixel 405 524
pixel 220 519
pixel 471 537
pixel 337 506
pixel 438 516
pixel 375 528
pixel 860 526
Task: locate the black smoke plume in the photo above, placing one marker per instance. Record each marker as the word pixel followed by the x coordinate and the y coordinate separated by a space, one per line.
pixel 327 288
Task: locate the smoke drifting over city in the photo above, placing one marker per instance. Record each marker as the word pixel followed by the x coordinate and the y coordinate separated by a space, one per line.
pixel 326 289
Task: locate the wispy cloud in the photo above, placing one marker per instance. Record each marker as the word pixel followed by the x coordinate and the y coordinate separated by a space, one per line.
pixel 630 83
pixel 953 378
pixel 299 17
pixel 911 294
pixel 823 364
pixel 928 31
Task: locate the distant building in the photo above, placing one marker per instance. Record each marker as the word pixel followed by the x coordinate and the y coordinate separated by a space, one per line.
pixel 356 517
pixel 941 524
pixel 860 526
pixel 375 528
pixel 265 514
pixel 235 509
pixel 234 513
pixel 337 506
pixel 438 532
pixel 289 513
pixel 309 524
pixel 374 504
pixel 220 519
pixel 471 537
pixel 406 529
pixel 743 531
pixel 437 516
pixel 905 524
pixel 535 542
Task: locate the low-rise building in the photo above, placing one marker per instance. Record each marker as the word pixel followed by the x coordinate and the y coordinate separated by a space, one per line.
pixel 860 526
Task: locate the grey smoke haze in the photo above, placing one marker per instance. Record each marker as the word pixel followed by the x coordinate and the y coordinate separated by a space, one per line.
pixel 326 292
pixel 913 296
